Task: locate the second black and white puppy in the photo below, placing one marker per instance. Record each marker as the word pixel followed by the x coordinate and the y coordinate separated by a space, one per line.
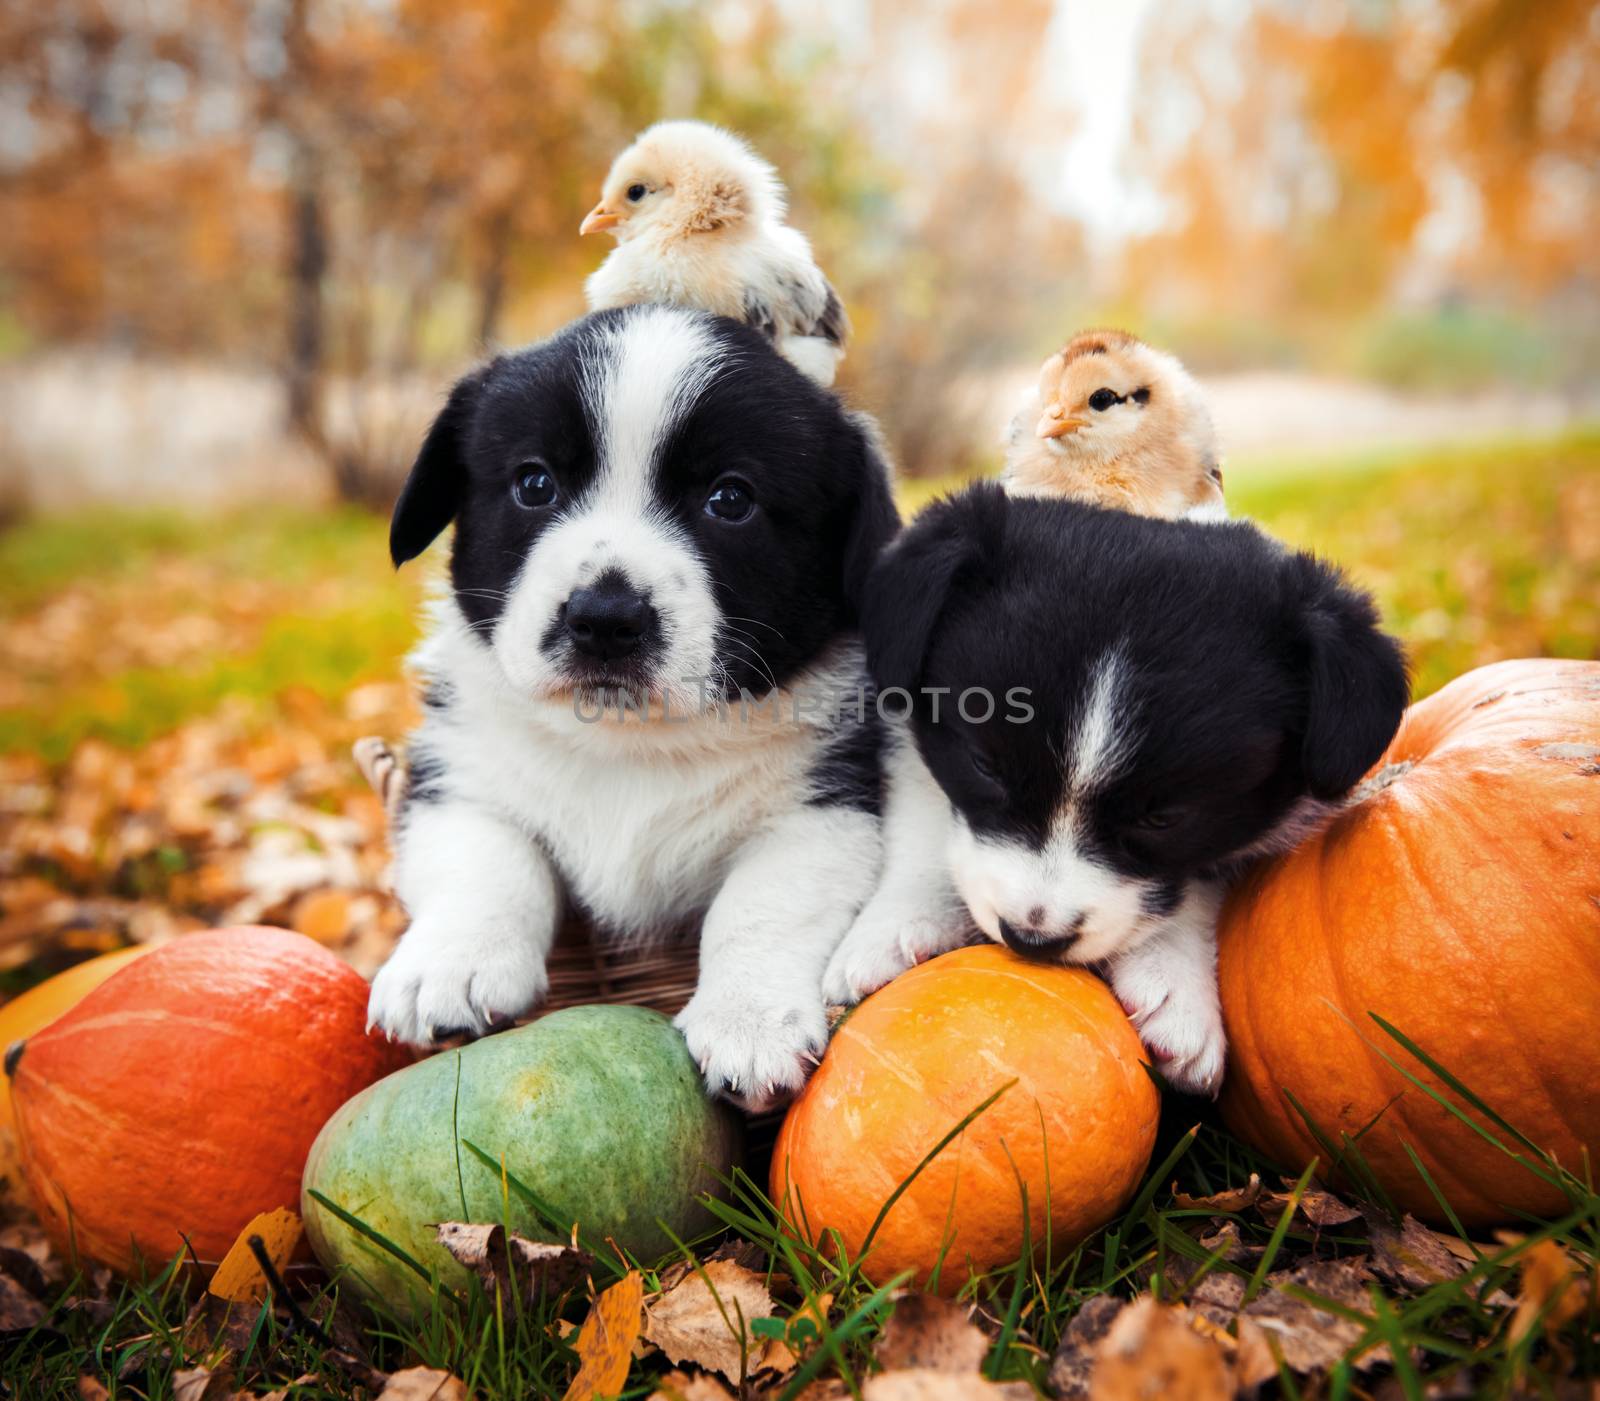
pixel 1106 715
pixel 659 520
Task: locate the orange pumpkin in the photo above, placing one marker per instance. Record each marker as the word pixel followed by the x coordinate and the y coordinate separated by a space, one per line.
pixel 913 1060
pixel 34 1010
pixel 179 1098
pixel 1457 897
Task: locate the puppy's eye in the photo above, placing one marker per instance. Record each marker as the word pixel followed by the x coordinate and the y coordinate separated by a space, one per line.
pixel 983 766
pixel 1103 399
pixel 636 193
pixel 730 500
pixel 1158 819
pixel 534 487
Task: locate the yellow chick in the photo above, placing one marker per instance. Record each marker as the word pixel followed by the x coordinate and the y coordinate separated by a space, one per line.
pixel 1117 423
pixel 699 222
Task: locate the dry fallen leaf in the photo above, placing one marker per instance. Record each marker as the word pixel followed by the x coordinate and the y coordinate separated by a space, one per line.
pixel 500 1259
pixel 1322 1209
pixel 24 1269
pixel 705 1318
pixel 200 1384
pixel 931 1333
pixel 423 1384
pixel 1552 1283
pixel 1307 1337
pixel 605 1342
pixel 1152 1351
pixel 1410 1257
pixel 1235 1199
pixel 1073 1362
pixel 282 1394
pixel 1227 1244
pixel 1253 1362
pixel 928 1384
pixel 19 1310
pixel 239 1278
pixel 681 1386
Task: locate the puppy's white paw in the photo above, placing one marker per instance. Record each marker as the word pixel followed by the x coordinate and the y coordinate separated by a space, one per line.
pixel 753 1050
pixel 444 982
pixel 881 945
pixel 1179 1020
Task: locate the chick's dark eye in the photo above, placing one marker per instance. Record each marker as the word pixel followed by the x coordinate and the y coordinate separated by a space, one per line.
pixel 730 501
pixel 636 193
pixel 534 486
pixel 1103 399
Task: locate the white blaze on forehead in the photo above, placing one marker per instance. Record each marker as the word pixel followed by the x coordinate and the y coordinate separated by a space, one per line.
pixel 639 383
pixel 1102 741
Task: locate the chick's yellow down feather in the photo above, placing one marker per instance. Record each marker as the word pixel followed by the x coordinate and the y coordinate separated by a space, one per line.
pixel 699 221
pixel 1115 422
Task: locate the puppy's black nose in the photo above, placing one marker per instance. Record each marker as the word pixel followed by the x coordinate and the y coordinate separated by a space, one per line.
pixel 608 619
pixel 1037 943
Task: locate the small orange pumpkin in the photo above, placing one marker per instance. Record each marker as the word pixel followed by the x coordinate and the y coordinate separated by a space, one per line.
pixel 34 1010
pixel 913 1060
pixel 1458 897
pixel 179 1098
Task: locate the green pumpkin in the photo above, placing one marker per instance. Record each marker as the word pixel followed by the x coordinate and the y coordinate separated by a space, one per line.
pixel 599 1111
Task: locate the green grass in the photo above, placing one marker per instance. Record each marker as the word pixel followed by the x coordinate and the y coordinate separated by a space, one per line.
pixel 325 612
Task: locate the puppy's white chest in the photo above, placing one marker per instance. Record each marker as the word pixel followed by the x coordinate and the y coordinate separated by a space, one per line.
pixel 641 827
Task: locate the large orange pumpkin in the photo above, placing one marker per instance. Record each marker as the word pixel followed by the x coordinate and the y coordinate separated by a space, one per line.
pixel 913 1060
pixel 1458 897
pixel 180 1097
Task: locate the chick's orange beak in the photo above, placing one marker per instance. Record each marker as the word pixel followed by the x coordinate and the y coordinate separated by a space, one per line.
pixel 597 219
pixel 1056 422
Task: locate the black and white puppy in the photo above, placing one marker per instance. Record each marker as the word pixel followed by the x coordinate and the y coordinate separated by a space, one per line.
pixel 656 515
pixel 1107 713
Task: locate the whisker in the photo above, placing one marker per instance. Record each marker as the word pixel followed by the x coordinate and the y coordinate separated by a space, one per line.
pixel 734 617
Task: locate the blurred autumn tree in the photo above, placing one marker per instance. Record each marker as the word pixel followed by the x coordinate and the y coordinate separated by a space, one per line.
pixel 348 191
pixel 356 192
pixel 1320 156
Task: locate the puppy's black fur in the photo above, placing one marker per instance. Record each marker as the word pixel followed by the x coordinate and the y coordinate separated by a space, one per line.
pixel 1250 678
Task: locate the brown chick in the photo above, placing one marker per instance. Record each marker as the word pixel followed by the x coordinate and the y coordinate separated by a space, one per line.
pixel 1117 423
pixel 699 220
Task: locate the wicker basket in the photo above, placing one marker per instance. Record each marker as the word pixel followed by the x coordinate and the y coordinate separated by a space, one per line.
pixel 583 970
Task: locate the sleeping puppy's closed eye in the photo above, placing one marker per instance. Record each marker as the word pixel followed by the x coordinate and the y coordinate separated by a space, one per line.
pixel 1146 703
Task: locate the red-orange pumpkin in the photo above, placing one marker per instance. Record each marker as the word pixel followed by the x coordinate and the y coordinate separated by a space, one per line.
pixel 1458 897
pixel 180 1097
pixel 915 1058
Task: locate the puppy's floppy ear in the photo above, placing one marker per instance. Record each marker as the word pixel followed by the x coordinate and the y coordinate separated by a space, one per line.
pixel 874 518
pixel 432 494
pixel 911 584
pixel 1356 684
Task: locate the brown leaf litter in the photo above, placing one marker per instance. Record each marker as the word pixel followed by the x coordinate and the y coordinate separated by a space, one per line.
pixel 1232 1200
pixel 423 1384
pixel 234 818
pixel 926 1332
pixel 606 1341
pixel 1321 1208
pixel 703 1318
pixel 511 1263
